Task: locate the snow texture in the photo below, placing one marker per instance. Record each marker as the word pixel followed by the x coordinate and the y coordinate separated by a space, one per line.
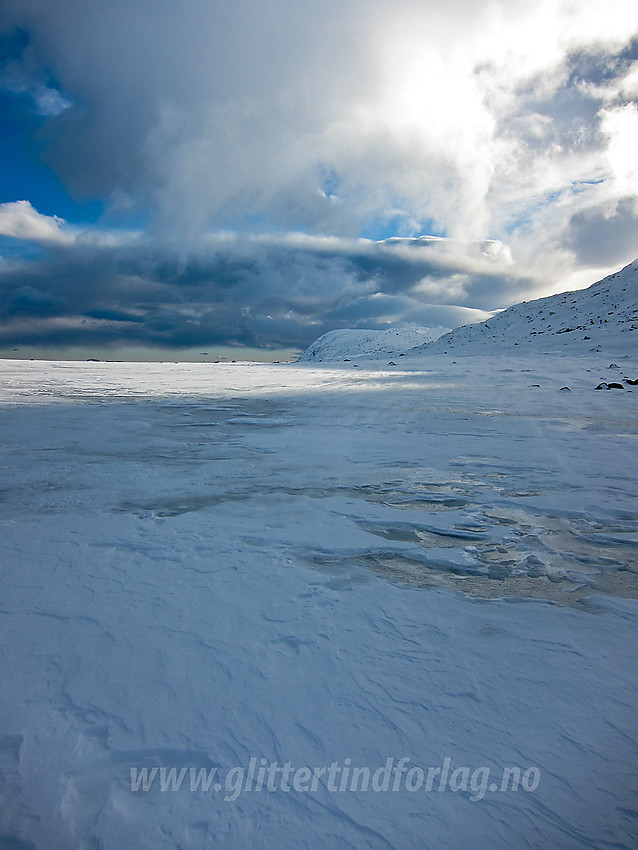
pixel 352 342
pixel 204 564
pixel 605 314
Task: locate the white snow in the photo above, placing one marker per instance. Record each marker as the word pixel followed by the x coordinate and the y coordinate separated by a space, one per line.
pixel 207 564
pixel 355 342
pixel 604 315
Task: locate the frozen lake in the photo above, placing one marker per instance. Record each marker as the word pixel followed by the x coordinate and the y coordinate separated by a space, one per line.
pixel 206 566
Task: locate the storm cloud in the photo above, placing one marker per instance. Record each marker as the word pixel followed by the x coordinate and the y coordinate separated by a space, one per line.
pixel 253 160
pixel 242 290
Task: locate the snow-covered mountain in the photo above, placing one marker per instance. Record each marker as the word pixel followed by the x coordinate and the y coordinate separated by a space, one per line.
pixel 351 342
pixel 603 317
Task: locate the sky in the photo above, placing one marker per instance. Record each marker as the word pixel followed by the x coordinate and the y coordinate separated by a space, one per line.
pixel 238 178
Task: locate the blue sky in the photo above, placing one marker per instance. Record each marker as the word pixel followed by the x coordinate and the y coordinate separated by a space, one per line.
pixel 186 177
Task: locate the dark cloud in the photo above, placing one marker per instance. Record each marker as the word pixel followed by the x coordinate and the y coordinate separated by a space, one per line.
pixel 334 119
pixel 12 47
pixel 31 301
pixel 209 128
pixel 114 316
pixel 605 234
pixel 600 66
pixel 561 114
pixel 279 292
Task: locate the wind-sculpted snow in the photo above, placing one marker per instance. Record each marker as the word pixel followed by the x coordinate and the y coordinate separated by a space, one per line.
pixel 207 564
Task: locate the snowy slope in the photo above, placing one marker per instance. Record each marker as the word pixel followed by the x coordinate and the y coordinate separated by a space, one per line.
pixel 603 316
pixel 351 342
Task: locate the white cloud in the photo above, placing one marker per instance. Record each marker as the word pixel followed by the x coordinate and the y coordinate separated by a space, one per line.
pixel 50 102
pixel 20 220
pixel 230 115
pixel 506 125
pixel 621 127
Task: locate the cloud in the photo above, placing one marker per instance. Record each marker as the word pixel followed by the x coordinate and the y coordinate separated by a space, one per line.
pixel 408 113
pixel 271 148
pixel 620 125
pixel 606 232
pixel 282 290
pixel 20 220
pixel 49 102
pixel 19 78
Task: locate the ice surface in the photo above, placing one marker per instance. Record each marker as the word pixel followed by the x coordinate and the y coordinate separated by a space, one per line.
pixel 207 564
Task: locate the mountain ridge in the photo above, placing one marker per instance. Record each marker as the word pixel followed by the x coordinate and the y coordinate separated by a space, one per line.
pixel 600 317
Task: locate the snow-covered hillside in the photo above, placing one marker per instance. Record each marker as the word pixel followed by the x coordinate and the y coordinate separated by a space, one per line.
pixel 351 342
pixel 603 317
